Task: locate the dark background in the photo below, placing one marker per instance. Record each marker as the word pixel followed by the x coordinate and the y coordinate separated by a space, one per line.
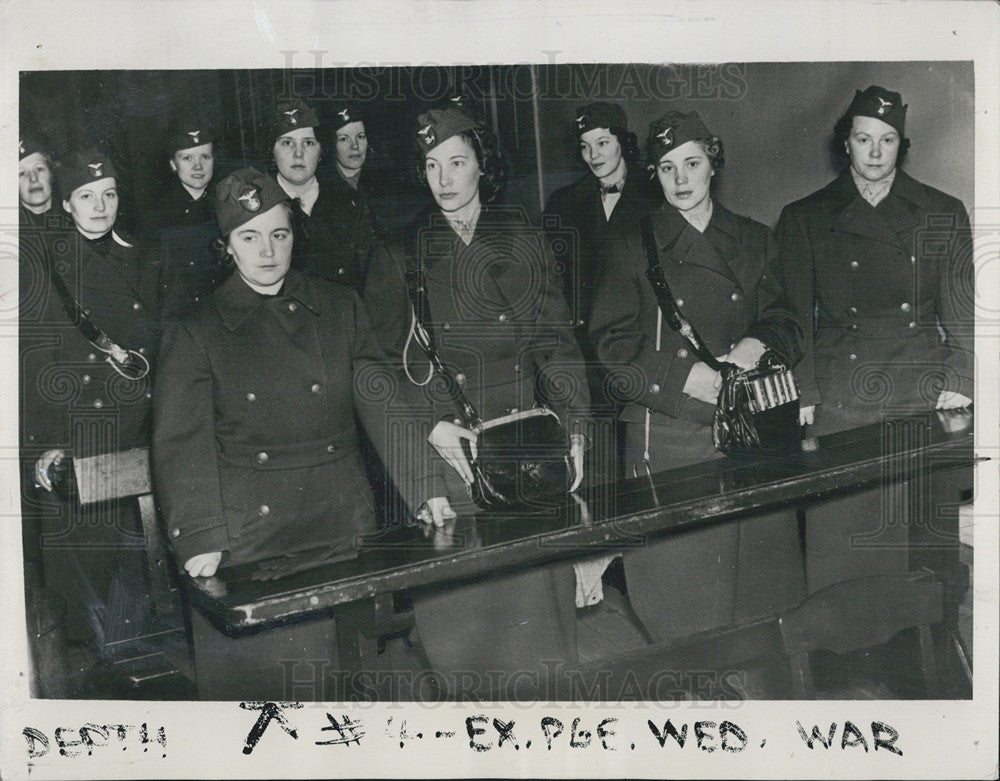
pixel 775 119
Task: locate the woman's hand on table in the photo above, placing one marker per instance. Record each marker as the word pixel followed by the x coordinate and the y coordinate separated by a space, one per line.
pixel 447 438
pixel 436 511
pixel 203 565
pixel 952 400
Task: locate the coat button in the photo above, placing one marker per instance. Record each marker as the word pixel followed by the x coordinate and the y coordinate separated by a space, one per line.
pixel 92 357
pixel 264 510
pixel 853 357
pixel 735 296
pixel 854 310
pixel 340 271
pixel 854 326
pixel 331 448
pixel 654 388
pixel 502 318
pixel 912 325
pixel 262 457
pixel 86 379
pixel 142 351
pixel 460 378
pixel 446 326
pixel 136 306
pixel 680 302
pixel 854 264
pixel 292 306
pixel 98 403
pixel 175 532
pixel 517 367
pixel 149 395
pixel 913 258
pixel 905 307
pixel 682 353
pixel 316 388
pixel 251 397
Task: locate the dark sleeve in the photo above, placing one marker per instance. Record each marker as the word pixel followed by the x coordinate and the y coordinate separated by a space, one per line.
pixel 776 324
pixel 184 460
pixel 955 306
pixel 796 272
pixel 386 299
pixel 640 373
pixel 562 376
pixel 391 409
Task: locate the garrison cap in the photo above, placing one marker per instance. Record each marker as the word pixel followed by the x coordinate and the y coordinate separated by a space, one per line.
pixel 28 146
pixel 345 113
pixel 291 115
pixel 671 130
pixel 83 168
pixel 243 195
pixel 438 125
pixel 880 103
pixel 600 114
pixel 187 134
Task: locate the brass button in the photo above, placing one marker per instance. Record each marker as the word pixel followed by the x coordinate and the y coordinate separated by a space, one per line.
pixel 175 532
pixel 316 388
pixel 331 448
pixel 262 457
pixel 854 264
pixel 460 378
pixel 682 353
pixel 503 318
pixel 251 397
pixel 905 307
pixel 86 379
pixel 654 388
pixel 340 271
pixel 854 310
pixel 912 325
pixel 853 357
pixel 264 510
pixel 98 403
pixel 137 306
pixel 735 296
pixel 292 306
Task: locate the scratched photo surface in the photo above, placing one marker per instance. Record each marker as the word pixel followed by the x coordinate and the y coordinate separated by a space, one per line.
pixel 274 323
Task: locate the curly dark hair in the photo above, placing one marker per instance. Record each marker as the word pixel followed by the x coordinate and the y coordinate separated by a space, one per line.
pixel 712 146
pixel 842 131
pixel 628 141
pixel 486 148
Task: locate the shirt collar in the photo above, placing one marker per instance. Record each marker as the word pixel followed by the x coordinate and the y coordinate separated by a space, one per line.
pixel 306 194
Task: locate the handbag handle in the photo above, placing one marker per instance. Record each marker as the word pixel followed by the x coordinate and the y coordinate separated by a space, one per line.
pixel 668 306
pixel 423 330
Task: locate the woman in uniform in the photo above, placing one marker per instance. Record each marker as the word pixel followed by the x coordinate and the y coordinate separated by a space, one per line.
pixel 34 183
pixel 334 228
pixel 606 202
pixel 87 349
pixel 501 325
pixel 255 447
pixel 878 267
pixel 182 223
pixel 719 267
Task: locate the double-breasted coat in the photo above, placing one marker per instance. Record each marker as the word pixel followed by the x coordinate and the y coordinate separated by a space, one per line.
pixel 336 241
pixel 501 325
pixel 255 446
pixel 724 282
pixel 884 295
pixel 72 399
pixel 184 230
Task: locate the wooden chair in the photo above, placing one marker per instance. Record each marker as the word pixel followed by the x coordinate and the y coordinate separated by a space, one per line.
pixel 123 475
pixel 862 613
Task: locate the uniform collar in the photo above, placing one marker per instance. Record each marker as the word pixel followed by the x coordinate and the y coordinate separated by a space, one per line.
pixel 237 301
pixel 668 224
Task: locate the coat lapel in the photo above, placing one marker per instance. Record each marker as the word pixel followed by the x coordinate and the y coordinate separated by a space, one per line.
pixel 853 214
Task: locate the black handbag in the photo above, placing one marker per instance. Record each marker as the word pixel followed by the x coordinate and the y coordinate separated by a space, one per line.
pixel 758 408
pixel 523 458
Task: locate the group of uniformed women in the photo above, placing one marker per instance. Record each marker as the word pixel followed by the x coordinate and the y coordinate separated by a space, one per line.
pixel 261 383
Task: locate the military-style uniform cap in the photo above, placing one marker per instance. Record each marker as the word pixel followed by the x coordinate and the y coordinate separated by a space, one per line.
pixel 345 113
pixel 671 130
pixel 438 125
pixel 83 168
pixel 243 195
pixel 879 103
pixel 291 115
pixel 596 115
pixel 28 146
pixel 187 134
